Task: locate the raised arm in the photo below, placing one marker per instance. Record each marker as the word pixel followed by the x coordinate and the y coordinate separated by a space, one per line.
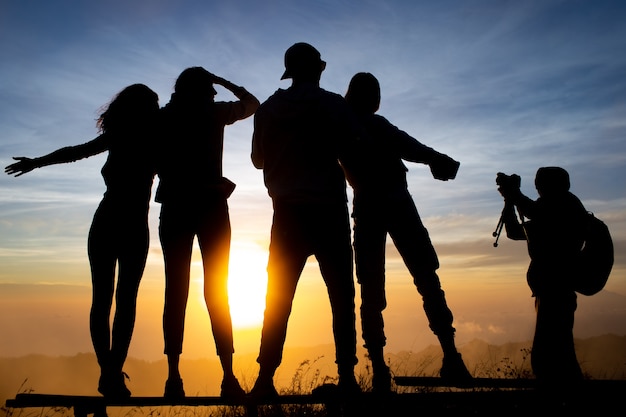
pixel 249 101
pixel 60 156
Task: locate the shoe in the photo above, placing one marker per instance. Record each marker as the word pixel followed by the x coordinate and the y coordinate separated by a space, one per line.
pixel 453 371
pixel 348 387
pixel 112 386
pixel 381 381
pixel 231 390
pixel 174 389
pixel 263 392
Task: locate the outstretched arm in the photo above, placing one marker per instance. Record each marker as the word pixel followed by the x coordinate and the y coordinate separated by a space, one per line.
pixel 62 155
pixel 442 166
pixel 22 166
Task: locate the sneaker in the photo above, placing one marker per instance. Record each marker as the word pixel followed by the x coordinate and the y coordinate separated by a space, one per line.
pixel 263 392
pixel 231 390
pixel 453 371
pixel 174 389
pixel 112 386
pixel 381 381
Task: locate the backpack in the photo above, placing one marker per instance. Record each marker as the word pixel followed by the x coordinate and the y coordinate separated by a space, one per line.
pixel 595 260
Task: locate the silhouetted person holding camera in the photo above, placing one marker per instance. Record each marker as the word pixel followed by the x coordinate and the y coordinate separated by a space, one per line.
pixel 119 235
pixel 383 205
pixel 300 135
pixel 193 194
pixel 554 241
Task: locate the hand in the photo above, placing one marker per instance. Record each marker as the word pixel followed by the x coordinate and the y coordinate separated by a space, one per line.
pixel 443 167
pixel 216 80
pixel 223 82
pixel 508 185
pixel 21 167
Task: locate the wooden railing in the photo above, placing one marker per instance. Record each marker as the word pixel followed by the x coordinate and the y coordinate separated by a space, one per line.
pixel 484 396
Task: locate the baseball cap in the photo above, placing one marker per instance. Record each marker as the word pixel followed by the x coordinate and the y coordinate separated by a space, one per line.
pixel 301 57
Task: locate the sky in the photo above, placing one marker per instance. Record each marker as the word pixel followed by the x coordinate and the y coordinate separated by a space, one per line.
pixel 501 86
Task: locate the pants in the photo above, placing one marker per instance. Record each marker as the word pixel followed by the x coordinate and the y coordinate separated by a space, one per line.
pixel 179 225
pixel 118 238
pixel 398 217
pixel 299 231
pixel 553 357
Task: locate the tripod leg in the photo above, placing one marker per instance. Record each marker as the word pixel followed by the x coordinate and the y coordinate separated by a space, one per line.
pixel 499 227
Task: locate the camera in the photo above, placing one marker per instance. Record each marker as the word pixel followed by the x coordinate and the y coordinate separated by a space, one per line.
pixel 508 182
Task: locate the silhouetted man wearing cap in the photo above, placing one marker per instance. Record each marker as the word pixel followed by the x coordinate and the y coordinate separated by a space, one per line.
pixel 300 136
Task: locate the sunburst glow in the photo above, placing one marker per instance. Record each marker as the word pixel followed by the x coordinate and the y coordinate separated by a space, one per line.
pixel 247 280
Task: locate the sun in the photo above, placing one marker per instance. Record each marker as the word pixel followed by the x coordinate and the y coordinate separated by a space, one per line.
pixel 247 280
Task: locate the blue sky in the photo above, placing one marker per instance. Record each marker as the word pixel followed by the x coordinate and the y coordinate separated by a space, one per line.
pixel 499 85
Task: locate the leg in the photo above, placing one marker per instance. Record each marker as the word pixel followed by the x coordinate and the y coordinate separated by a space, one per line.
pixel 333 251
pixel 132 261
pixel 214 237
pixel 102 263
pixel 370 235
pixel 176 241
pixel 414 245
pixel 104 250
pixel 214 240
pixel 553 356
pixel 287 257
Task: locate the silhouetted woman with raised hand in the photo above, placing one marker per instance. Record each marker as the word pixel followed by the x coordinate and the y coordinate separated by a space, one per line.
pixel 119 235
pixel 193 194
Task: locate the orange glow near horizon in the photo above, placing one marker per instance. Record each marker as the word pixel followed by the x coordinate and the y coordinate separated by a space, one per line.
pixel 247 281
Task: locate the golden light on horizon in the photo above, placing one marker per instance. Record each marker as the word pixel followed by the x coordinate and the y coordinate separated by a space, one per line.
pixel 247 281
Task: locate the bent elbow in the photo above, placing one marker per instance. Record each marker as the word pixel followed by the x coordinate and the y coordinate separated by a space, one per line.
pixel 257 161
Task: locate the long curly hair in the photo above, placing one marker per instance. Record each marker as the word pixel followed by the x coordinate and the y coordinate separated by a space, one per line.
pixel 132 106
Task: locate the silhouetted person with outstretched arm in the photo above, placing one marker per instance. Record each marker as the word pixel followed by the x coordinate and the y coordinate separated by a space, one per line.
pixel 193 194
pixel 554 240
pixel 300 135
pixel 383 205
pixel 119 236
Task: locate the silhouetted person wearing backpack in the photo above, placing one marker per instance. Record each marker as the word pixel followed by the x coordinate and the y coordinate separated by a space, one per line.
pixel 193 194
pixel 554 238
pixel 119 236
pixel 383 205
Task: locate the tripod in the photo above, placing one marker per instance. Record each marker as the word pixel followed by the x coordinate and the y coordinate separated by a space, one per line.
pixel 499 227
pixel 496 233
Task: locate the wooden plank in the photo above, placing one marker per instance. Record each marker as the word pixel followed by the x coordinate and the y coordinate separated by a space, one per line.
pixel 54 400
pixel 431 381
pixel 518 383
pixel 97 405
pixel 364 404
pixel 599 397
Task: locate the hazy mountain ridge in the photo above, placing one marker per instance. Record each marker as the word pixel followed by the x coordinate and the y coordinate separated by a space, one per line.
pixel 602 357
